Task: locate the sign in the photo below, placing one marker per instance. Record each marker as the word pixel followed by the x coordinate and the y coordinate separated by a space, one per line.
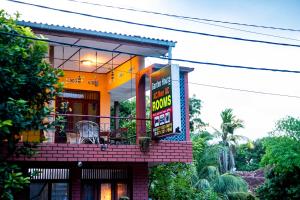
pixel 162 110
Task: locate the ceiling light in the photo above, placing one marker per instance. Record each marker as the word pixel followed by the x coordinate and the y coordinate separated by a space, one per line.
pixel 87 62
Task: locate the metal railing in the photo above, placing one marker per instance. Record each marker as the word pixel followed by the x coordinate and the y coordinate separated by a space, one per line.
pixel 90 129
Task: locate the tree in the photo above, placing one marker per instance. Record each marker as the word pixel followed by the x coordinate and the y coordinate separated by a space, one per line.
pixel 228 139
pixel 206 175
pixel 282 158
pixel 196 123
pixel 248 155
pixel 27 84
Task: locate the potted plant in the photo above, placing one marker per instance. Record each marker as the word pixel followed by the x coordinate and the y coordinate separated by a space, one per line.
pixel 60 124
pixel 144 143
pixel 60 133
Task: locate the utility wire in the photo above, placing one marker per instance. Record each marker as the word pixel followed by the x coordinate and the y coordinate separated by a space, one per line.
pixel 217 86
pixel 196 20
pixel 244 90
pixel 164 58
pixel 159 57
pixel 186 17
pixel 159 27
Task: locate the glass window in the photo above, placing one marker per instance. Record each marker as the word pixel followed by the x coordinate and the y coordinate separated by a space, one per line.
pixel 88 192
pixel 105 193
pixel 38 191
pixel 121 190
pixel 60 191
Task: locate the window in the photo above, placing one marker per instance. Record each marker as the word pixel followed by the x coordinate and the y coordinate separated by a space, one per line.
pixel 49 191
pixel 104 190
pixel 49 184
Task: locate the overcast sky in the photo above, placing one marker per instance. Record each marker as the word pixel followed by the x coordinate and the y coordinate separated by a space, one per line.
pixel 259 112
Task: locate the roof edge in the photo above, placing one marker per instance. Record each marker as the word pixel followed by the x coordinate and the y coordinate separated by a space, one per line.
pixel 89 32
pixel 181 68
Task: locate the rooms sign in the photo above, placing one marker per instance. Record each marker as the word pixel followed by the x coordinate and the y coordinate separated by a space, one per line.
pixel 162 109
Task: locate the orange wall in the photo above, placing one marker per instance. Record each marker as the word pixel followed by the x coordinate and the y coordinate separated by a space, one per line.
pixel 122 75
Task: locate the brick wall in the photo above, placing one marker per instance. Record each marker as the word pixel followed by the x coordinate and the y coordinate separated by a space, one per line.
pixel 164 151
pixel 140 182
pixel 75 179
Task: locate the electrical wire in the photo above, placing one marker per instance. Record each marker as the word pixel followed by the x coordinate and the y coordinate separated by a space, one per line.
pixel 159 27
pixel 199 20
pixel 159 57
pixel 217 86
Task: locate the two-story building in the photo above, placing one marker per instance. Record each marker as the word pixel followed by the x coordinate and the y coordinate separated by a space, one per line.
pixel 98 154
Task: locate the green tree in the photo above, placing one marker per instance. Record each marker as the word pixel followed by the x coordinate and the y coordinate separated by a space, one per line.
pixel 228 139
pixel 196 123
pixel 27 84
pixel 282 158
pixel 206 175
pixel 248 155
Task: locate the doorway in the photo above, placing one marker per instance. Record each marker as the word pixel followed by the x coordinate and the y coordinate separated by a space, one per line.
pixel 82 105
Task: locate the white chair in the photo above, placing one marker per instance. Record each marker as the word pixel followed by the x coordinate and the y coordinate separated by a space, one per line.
pixel 88 131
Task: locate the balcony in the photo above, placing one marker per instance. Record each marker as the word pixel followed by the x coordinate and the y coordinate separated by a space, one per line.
pixel 90 129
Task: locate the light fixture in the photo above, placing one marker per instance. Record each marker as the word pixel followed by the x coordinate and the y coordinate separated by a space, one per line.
pixel 87 62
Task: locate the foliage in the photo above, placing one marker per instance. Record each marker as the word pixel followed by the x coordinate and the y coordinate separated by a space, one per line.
pixel 248 156
pixel 288 126
pixel 282 157
pixel 282 153
pixel 241 196
pixel 281 185
pixel 171 181
pixel 11 180
pixel 196 123
pixel 27 84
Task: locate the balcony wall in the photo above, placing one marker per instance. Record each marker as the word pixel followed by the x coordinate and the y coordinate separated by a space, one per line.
pixel 159 152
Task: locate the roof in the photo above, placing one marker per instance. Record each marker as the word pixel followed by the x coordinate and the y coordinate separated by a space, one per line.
pixel 95 33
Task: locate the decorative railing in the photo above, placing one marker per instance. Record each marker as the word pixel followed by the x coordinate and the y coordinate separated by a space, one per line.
pixel 90 129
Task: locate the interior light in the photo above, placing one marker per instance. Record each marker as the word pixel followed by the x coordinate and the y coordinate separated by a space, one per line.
pixel 86 62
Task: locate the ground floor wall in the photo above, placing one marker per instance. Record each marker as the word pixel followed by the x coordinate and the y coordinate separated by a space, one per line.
pixel 101 181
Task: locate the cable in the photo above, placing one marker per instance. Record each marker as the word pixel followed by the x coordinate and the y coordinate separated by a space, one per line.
pixel 186 17
pixel 243 30
pixel 215 86
pixel 244 90
pixel 222 87
pixel 163 58
pixel 160 27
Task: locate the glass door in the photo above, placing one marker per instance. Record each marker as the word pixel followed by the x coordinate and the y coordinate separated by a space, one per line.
pixel 105 191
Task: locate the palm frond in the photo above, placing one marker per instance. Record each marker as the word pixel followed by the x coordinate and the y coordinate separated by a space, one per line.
pixel 229 183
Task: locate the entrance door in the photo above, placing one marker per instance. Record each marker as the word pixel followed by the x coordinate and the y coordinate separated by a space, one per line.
pixel 83 105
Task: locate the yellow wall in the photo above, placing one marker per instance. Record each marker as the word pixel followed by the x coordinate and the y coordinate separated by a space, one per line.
pixel 122 75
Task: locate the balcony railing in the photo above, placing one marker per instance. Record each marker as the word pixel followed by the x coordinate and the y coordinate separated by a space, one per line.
pixel 90 129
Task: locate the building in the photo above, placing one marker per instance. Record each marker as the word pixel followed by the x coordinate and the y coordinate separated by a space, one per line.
pixel 99 154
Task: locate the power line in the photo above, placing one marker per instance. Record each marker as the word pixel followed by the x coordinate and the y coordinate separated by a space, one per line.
pixel 159 57
pixel 212 86
pixel 244 90
pixel 221 87
pixel 243 30
pixel 186 17
pixel 193 83
pixel 160 27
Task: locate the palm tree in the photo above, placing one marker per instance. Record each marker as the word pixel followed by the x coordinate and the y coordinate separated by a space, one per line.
pixel 229 140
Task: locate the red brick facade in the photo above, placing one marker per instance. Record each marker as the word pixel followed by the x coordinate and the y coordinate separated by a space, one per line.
pixel 140 182
pixel 163 151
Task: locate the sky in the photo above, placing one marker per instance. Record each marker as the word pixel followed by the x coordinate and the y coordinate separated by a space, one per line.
pixel 259 112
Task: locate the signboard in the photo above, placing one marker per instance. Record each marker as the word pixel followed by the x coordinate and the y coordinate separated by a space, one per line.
pixel 162 110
